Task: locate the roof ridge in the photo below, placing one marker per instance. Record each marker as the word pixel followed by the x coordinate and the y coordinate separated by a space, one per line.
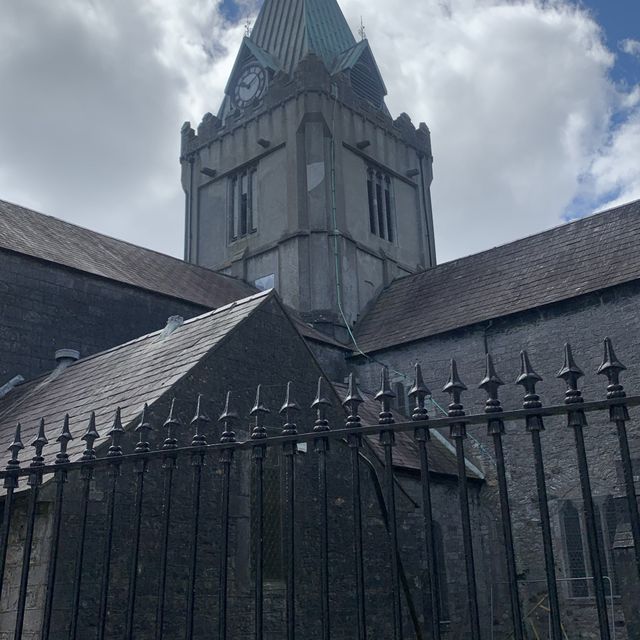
pixel 196 267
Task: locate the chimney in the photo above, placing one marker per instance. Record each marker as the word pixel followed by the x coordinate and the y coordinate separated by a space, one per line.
pixel 66 357
pixel 173 322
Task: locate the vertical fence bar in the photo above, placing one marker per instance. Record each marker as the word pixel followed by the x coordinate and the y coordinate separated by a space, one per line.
pixel 619 414
pixel 141 467
pixel 228 436
pixel 89 455
pixel 10 484
pixel 35 480
pixel 577 420
pixel 418 393
pixel 114 454
pixel 528 379
pixel 387 438
pixel 197 461
pixel 495 428
pixel 289 449
pixel 321 444
pixel 354 440
pixel 60 479
pixel 259 433
pixel 168 465
pixel 455 387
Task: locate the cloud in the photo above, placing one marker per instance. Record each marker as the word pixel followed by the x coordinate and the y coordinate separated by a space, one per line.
pixel 525 119
pixel 630 46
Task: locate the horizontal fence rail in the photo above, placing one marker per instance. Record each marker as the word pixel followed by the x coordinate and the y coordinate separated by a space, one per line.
pixel 322 435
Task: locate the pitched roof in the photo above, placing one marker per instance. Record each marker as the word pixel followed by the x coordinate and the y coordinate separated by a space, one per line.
pixel 440 451
pixel 290 29
pixel 44 237
pixel 126 376
pixel 580 257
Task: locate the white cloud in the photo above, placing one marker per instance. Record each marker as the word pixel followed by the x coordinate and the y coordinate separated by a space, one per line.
pixel 630 46
pixel 517 95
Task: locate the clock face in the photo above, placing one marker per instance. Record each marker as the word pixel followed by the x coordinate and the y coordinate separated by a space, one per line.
pixel 250 86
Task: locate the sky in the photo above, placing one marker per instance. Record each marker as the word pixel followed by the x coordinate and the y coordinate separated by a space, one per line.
pixel 533 107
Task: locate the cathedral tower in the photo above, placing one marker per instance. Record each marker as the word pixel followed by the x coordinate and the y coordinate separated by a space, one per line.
pixel 303 181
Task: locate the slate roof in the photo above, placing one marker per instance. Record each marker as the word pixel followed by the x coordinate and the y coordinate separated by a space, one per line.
pixel 44 237
pixel 590 254
pixel 126 376
pixel 290 29
pixel 442 459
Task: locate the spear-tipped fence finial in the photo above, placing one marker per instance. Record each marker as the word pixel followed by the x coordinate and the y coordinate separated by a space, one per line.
pixel 39 444
pixel 15 448
pixel 352 402
pixel 259 411
pixel 287 410
pixel 228 417
pixel 454 388
pixel 419 392
pixel 116 434
pixel 89 437
pixel 143 428
pixel 491 383
pixel 384 397
pixel 528 379
pixel 198 422
pixel 571 373
pixel 171 424
pixel 63 440
pixel 612 367
pixel 320 404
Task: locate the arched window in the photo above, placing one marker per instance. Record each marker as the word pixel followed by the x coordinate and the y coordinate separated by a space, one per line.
pixel 574 549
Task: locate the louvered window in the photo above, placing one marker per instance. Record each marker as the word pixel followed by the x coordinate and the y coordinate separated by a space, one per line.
pixel 243 203
pixel 365 85
pixel 380 200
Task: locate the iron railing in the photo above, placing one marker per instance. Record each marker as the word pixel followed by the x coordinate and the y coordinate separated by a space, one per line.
pixel 532 416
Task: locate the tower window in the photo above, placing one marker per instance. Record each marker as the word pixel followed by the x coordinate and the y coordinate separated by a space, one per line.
pixel 243 203
pixel 380 198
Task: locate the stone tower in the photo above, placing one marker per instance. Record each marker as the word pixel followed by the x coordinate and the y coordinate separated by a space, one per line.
pixel 303 181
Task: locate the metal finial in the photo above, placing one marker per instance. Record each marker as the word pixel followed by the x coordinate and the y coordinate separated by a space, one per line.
pixel 90 436
pixel 570 371
pixel 63 440
pixel 171 423
pixel 362 31
pixel 259 411
pixel 143 428
pixel 320 404
pixel 384 396
pixel 197 422
pixel 287 410
pixel 419 391
pixel 116 434
pixel 38 444
pixel 15 448
pixel 352 402
pixel 491 383
pixel 528 378
pixel 454 388
pixel 228 417
pixel 611 367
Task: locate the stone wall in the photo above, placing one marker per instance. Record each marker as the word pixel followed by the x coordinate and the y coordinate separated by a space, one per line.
pixel 584 322
pixel 45 307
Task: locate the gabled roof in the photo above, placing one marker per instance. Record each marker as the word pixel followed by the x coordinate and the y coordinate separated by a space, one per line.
pixel 34 234
pixel 127 376
pixel 587 255
pixel 291 29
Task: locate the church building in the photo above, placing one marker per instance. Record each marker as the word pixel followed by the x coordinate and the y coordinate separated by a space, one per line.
pixel 310 282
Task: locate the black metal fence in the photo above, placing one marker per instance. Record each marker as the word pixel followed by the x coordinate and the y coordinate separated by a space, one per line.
pixel 531 417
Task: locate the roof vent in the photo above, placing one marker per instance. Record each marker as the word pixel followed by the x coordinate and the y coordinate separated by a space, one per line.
pixel 9 386
pixel 172 324
pixel 65 357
